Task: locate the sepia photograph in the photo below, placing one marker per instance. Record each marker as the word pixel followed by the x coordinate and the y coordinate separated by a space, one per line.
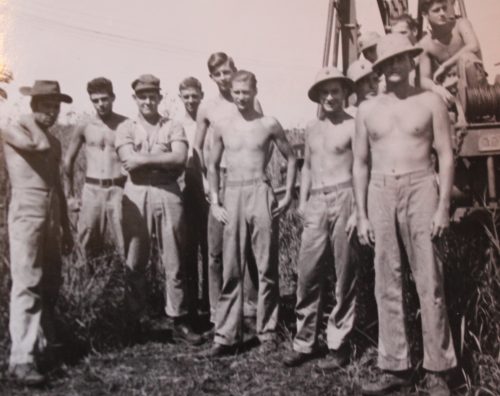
pixel 266 197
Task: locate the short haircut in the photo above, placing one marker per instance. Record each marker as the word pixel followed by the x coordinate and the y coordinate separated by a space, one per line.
pixel 426 4
pixel 190 82
pixel 100 85
pixel 245 76
pixel 217 59
pixel 412 24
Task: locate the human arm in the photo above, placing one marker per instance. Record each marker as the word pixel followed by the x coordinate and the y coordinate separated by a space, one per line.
pixel 202 125
pixel 284 147
pixel 305 179
pixel 214 177
pixel 26 135
pixel 361 153
pixel 443 147
pixel 67 237
pixel 426 79
pixel 75 144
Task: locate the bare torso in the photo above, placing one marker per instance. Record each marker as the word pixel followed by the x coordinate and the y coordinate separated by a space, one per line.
pixel 330 148
pixel 29 169
pixel 102 160
pixel 400 132
pixel 246 144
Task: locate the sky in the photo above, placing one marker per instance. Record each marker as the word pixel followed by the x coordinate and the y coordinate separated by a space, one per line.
pixel 281 41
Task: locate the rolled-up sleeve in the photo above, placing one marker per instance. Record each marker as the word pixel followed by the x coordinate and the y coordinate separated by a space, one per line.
pixel 124 134
pixel 172 131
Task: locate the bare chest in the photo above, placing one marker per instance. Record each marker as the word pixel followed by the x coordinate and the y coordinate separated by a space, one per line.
pixel 99 136
pixel 331 141
pixel 245 136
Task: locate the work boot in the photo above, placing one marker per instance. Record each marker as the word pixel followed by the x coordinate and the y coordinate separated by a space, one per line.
pixel 436 385
pixel 26 374
pixel 218 350
pixel 184 331
pixel 387 382
pixel 295 359
pixel 336 358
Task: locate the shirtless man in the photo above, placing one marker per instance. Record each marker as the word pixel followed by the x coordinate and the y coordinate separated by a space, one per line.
pixel 396 131
pixel 38 229
pixel 368 45
pixel 153 151
pixel 101 209
pixel 366 83
pixel 449 43
pixel 248 213
pixel 195 205
pixel 221 68
pixel 326 205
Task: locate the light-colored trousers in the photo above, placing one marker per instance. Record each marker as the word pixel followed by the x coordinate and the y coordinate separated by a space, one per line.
pixel 400 209
pixel 249 204
pixel 35 265
pixel 100 215
pixel 325 219
pixel 154 214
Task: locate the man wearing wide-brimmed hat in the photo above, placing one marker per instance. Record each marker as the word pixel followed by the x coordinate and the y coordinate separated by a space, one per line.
pixel 153 151
pixel 38 229
pixel 326 205
pixel 400 200
pixel 365 80
pixel 367 45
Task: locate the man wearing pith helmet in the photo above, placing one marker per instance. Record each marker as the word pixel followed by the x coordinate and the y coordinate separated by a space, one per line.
pixel 398 199
pixel 326 205
pixel 367 45
pixel 365 80
pixel 38 229
pixel 153 151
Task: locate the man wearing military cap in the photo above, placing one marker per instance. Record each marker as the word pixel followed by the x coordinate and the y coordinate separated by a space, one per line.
pixel 365 80
pixel 38 229
pixel 326 205
pixel 101 203
pixel 400 200
pixel 153 151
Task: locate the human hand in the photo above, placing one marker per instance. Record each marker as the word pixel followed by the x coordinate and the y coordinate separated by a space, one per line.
pixel 220 213
pixel 133 162
pixel 366 235
pixel 440 222
pixel 439 74
pixel 74 204
pixel 446 95
pixel 301 210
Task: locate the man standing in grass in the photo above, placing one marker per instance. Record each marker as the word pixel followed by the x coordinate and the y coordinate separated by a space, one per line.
pixel 153 151
pixel 249 212
pixel 399 201
pixel 326 206
pixel 38 229
pixel 101 206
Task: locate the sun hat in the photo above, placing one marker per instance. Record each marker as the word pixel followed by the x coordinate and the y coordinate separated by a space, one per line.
pixel 368 39
pixel 46 88
pixel 328 73
pixel 359 69
pixel 394 44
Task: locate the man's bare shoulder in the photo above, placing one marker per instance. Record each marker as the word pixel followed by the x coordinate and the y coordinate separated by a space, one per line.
pixel 367 106
pixel 271 123
pixel 430 99
pixel 426 43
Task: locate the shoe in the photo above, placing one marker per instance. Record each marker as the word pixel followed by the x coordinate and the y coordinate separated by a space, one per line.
pixel 295 359
pixel 436 385
pixel 184 332
pixel 218 350
pixel 336 358
pixel 387 382
pixel 26 374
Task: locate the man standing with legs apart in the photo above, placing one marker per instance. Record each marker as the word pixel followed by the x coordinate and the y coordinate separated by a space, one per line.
pixel 153 150
pixel 401 201
pixel 248 213
pixel 101 208
pixel 38 229
pixel 327 208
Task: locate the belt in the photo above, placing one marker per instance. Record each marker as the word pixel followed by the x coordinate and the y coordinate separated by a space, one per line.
pixel 333 188
pixel 403 178
pixel 119 181
pixel 248 182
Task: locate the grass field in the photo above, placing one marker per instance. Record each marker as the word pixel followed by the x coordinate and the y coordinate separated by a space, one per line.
pixel 99 357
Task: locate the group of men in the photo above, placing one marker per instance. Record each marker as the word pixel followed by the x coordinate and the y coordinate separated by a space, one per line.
pixel 367 167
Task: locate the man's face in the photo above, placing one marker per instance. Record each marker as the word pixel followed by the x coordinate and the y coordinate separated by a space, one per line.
pixel 103 103
pixel 397 68
pixel 243 94
pixel 438 13
pixel 370 54
pixel 191 97
pixel 402 27
pixel 147 102
pixel 367 86
pixel 331 96
pixel 47 110
pixel 222 76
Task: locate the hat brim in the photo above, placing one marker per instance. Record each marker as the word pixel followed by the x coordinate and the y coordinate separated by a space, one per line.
pixel 361 76
pixel 313 92
pixel 28 91
pixel 413 52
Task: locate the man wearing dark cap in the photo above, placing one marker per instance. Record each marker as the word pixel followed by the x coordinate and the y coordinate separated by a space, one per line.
pixel 38 229
pixel 326 206
pixel 401 204
pixel 101 202
pixel 153 151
